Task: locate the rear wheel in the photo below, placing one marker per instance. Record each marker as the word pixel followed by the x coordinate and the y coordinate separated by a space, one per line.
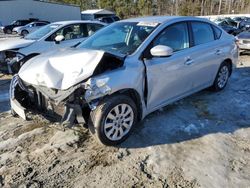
pixel 222 77
pixel 112 121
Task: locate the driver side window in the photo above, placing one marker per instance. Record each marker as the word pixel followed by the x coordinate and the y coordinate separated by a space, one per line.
pixel 174 36
pixel 70 32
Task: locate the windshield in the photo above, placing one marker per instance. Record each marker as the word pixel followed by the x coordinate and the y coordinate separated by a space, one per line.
pixel 42 32
pixel 121 37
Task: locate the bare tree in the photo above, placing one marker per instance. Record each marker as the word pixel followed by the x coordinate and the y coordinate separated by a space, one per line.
pixel 219 11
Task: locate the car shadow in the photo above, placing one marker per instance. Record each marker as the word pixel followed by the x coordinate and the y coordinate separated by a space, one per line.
pixel 198 115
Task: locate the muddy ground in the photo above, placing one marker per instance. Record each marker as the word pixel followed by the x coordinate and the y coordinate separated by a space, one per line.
pixel 200 141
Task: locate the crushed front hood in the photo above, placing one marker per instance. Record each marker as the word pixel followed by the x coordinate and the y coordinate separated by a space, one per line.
pixel 62 68
pixel 14 43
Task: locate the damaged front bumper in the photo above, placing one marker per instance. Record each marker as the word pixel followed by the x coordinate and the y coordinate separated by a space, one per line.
pixel 66 106
pixel 15 105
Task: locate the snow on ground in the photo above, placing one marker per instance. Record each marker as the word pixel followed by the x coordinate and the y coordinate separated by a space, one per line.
pixel 200 141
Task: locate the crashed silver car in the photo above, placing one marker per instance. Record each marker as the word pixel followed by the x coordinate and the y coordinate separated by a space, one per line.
pixel 123 72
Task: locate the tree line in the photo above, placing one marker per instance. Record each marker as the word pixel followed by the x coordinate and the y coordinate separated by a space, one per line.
pixel 132 8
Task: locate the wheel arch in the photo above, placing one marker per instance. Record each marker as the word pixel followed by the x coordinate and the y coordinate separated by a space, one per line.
pixel 24 31
pixel 230 63
pixel 135 96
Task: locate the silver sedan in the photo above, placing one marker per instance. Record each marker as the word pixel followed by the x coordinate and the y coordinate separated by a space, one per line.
pixel 125 71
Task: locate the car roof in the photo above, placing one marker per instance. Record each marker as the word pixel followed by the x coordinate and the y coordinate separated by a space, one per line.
pixel 77 21
pixel 38 22
pixel 164 19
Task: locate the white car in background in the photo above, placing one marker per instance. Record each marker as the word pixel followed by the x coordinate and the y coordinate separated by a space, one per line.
pixel 14 52
pixel 29 28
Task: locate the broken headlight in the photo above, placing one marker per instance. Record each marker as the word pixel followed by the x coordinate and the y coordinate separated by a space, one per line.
pixel 97 88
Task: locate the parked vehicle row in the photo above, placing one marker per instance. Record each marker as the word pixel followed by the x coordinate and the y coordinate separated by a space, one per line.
pixel 7 29
pixel 24 27
pixel 121 73
pixel 239 27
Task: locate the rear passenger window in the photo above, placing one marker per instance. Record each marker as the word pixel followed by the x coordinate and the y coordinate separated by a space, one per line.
pixel 40 24
pixel 217 32
pixel 203 33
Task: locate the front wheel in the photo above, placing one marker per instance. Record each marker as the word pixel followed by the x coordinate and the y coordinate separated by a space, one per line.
pixel 8 31
pixel 222 77
pixel 112 121
pixel 24 33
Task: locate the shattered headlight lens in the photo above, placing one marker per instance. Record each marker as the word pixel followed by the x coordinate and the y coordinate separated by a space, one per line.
pixel 97 88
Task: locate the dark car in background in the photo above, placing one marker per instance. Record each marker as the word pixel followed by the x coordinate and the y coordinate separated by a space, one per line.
pixel 8 28
pixel 233 30
pixel 109 19
pixel 245 24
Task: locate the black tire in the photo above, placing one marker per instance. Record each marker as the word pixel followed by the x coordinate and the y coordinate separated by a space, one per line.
pixel 216 85
pixel 98 118
pixel 24 33
pixel 8 31
pixel 13 113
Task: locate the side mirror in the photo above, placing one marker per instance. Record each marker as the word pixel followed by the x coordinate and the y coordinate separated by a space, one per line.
pixel 161 51
pixel 59 38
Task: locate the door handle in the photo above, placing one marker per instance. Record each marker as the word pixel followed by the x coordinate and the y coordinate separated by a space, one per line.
pixel 218 52
pixel 189 61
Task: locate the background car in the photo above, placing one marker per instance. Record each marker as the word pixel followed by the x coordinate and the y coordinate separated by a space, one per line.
pixel 228 27
pixel 8 28
pixel 244 40
pixel 244 24
pixel 24 30
pixel 108 19
pixel 52 36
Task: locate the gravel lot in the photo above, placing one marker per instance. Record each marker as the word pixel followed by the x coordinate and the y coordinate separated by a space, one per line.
pixel 200 141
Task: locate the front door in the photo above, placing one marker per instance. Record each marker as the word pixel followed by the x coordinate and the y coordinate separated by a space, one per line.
pixel 169 78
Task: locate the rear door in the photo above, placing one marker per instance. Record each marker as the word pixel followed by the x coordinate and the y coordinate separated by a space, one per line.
pixel 207 53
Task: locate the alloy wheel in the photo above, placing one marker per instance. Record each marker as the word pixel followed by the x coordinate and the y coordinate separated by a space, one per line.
pixel 118 122
pixel 223 76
